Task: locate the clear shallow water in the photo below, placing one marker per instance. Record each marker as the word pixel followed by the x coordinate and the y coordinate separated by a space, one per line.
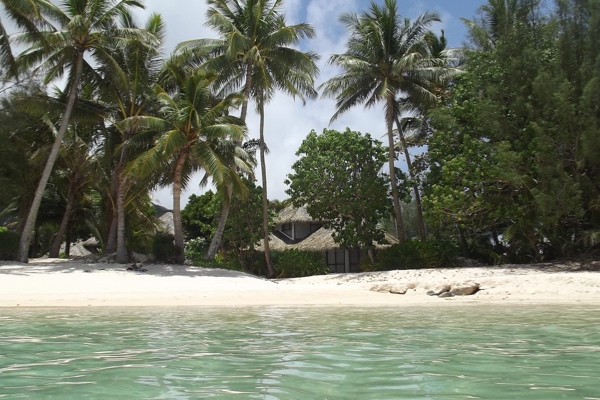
pixel 311 353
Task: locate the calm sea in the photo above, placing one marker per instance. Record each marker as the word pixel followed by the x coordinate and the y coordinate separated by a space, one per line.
pixel 472 352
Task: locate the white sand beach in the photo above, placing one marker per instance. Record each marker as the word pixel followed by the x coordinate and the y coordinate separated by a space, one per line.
pixel 57 282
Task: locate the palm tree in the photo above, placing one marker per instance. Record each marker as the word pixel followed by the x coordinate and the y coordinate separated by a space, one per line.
pixel 135 96
pixel 418 108
pixel 256 55
pixel 58 38
pixel 496 19
pixel 386 56
pixel 78 169
pixel 191 129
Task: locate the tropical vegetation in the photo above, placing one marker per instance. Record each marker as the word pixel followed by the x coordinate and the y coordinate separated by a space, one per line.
pixel 500 139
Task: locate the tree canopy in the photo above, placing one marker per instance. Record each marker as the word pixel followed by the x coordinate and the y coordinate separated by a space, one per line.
pixel 338 178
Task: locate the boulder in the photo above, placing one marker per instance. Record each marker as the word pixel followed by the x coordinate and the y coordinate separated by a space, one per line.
pixel 465 289
pixel 439 290
pixel 391 288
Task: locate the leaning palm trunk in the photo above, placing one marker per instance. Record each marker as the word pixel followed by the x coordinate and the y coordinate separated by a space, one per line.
pixel 265 199
pixel 420 223
pixel 26 236
pixel 215 242
pixel 64 223
pixel 391 158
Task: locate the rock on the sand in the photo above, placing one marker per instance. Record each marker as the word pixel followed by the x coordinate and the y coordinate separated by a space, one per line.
pixel 465 289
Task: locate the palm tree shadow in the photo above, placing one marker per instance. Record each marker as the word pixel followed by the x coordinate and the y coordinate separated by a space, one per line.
pixel 55 266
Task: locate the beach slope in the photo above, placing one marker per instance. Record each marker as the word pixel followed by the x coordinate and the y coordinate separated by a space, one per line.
pixel 56 282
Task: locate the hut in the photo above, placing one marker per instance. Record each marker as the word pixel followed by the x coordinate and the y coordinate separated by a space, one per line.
pixel 295 229
pixel 295 224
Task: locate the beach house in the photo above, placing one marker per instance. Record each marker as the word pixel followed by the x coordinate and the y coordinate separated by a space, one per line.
pixel 296 229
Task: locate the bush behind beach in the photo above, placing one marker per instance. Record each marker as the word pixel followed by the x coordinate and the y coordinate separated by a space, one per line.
pixel 9 243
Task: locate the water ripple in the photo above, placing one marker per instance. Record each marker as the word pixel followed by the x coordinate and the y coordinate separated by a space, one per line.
pixel 282 353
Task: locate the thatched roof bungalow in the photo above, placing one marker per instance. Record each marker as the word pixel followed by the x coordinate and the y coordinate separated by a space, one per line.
pixel 295 229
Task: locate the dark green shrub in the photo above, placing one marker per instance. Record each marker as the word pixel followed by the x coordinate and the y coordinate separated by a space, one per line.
pixel 253 262
pixel 9 244
pixel 164 248
pixel 416 254
pixel 195 249
pixel 440 253
pixel 297 263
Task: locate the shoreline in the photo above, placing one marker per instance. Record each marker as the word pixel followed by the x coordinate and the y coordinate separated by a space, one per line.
pixel 76 283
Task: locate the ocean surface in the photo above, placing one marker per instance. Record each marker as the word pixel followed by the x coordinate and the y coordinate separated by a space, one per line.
pixel 463 352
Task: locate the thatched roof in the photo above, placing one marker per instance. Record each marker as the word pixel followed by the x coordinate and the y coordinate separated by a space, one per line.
pixel 320 240
pixel 274 244
pixel 292 214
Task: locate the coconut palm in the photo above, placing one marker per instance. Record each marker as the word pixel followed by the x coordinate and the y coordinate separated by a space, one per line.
pixel 57 40
pixel 78 170
pixel 417 109
pixel 135 96
pixel 496 19
pixel 192 126
pixel 386 56
pixel 256 55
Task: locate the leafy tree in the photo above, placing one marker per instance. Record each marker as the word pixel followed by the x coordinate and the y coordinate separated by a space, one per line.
pixel 244 225
pixel 25 139
pixel 58 39
pixel 386 56
pixel 198 216
pixel 510 162
pixel 338 179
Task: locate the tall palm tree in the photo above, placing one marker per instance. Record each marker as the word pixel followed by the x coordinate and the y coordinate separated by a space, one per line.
pixel 256 54
pixel 450 59
pixel 386 56
pixel 57 40
pixel 191 127
pixel 141 65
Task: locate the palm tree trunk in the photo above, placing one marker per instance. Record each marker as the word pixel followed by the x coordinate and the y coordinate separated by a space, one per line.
pixel 111 241
pixel 391 158
pixel 178 227
pixel 25 241
pixel 122 256
pixel 215 242
pixel 122 253
pixel 265 198
pixel 420 222
pixel 111 210
pixel 64 223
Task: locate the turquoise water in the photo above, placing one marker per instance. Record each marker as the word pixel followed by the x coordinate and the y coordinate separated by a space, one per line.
pixel 309 353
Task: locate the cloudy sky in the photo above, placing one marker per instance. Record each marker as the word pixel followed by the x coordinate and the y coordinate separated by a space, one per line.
pixel 288 121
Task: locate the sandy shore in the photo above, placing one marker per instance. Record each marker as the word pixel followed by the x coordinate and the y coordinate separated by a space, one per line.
pixel 53 282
